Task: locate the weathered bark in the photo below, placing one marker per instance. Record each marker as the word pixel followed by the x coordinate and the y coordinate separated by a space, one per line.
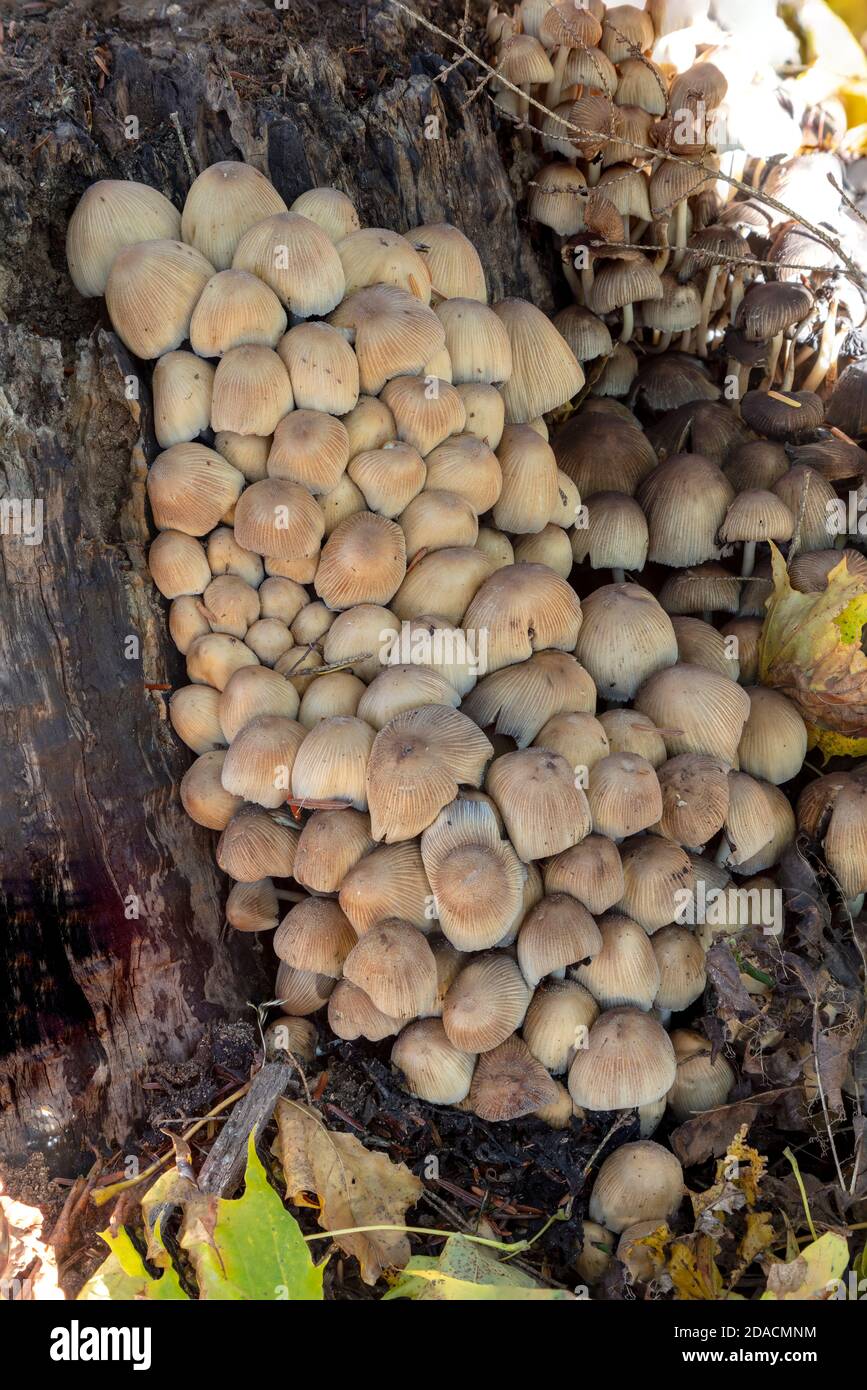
pixel 89 814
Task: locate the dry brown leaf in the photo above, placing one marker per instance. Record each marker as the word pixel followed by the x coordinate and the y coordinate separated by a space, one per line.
pixel 355 1187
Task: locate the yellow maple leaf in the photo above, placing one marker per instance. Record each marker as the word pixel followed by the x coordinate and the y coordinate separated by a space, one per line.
pixel 810 649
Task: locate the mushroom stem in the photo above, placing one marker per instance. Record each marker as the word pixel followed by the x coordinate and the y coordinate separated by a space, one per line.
pixel 789 364
pixel 587 281
pixel 835 355
pixel 638 230
pixel 855 905
pixel 284 896
pixel 702 333
pixel 724 849
pixel 524 115
pixel 594 171
pixel 748 560
pixel 628 323
pixel 663 254
pixel 663 343
pixel 680 212
pixel 685 342
pixel 572 278
pixel 736 293
pixel 618 574
pixel 773 359
pixel 554 87
pixel 820 367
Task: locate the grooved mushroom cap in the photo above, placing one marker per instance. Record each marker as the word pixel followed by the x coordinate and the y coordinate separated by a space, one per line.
pixel 642 84
pixel 773 744
pixel 847 408
pixel 436 520
pixel 682 977
pixel 476 878
pixel 363 637
pixel 399 689
pixel 685 500
pixel 625 28
pixel 111 215
pixel 601 453
pixel 258 764
pixel 846 838
pixel 301 992
pixel 594 123
pixel 352 1014
pixel 467 466
pixel 656 873
pixel 395 967
pixel 529 481
pixel 675 310
pixel 224 202
pixel 452 261
pixel 624 971
pixel 812 501
pixel 393 333
pixel 558 199
pixel 331 764
pixel 485 1003
pixel 569 25
pixel 417 763
pixel 578 737
pixel 253 906
pixel 703 645
pixel 330 844
pixel 375 256
pixel 297 259
pixel 178 565
pixel 770 308
pixel 757 516
pixel 760 823
pixel 517 700
pixel 150 294
pixel 251 691
pixel 695 798
pixel 523 60
pixel 279 519
pixel 703 1082
pixel 203 796
pixel 524 609
pixel 672 380
pixel 509 1082
pixel 254 845
pixel 615 536
pixel 214 658
pixel 624 282
pixel 623 795
pixel 330 209
pixel 193 711
pixel 252 391
pixel 628 1061
pixel 363 561
pixel 591 872
pixel 700 711
pixel 782 415
pixel 543 810
pixel 638 1182
pixel 426 411
pixel 559 1014
pixel 557 932
pixel 314 935
pixel 625 636
pixel 476 341
pixel 311 448
pixel 701 588
pixel 389 478
pixel 586 334
pixel 182 384
pixel 628 731
pixel 322 367
pixel 433 1068
pixel 672 182
pixel 233 310
pixel 190 487
pixel 545 371
pixel 389 881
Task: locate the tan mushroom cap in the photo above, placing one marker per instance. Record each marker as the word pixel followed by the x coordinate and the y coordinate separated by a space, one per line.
pixel 590 871
pixel 425 411
pixel 301 992
pixel 446 581
pixel 680 956
pixel 178 565
pixel 578 737
pixel 701 711
pixel 558 199
pixel 628 731
pixel 476 878
pixel 388 881
pixel 695 798
pixel 331 763
pixel 253 906
pixel 486 1003
pixel 437 520
pixel 111 215
pixel 638 1182
pixel 352 1014
pixel 623 282
pixel 703 1082
pixel 757 516
pixel 586 333
pixel 297 259
pixel 524 608
pixel 558 1017
pixel 278 519
pixel 434 1069
pixel 193 711
pixel 846 839
pixel 556 933
pixel 509 1082
pixel 700 644
pixel 760 823
pixel 417 763
pixel 545 371
pixel 543 810
pixel 252 391
pixel 523 61
pixel 394 965
pixel 389 478
pixel 773 744
pixel 685 501
pixel 258 764
pixel 235 309
pixel 706 588
pixel 398 689
pixel 203 796
pixel 625 636
pixel 676 310
pixel 452 261
pixel 363 561
pixel 322 366
pixel 226 556
pixel 376 256
pixel 150 294
pixel 214 658
pixel 330 844
pixel 392 332
pixel 656 873
pixel 517 700
pixel 311 448
pixel 625 970
pixel 252 691
pixel 476 340
pixel 314 935
pixel 331 209
pixel 225 201
pixel 254 845
pixel 625 28
pixel 182 385
pixel 628 1061
pixel 190 487
pixel 467 466
pixel 623 795
pixel 360 639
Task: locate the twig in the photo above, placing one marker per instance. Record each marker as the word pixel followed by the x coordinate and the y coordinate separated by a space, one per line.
pixel 191 168
pixel 223 1168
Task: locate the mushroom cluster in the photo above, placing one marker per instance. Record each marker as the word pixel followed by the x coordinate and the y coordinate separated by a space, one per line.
pixel 663 135
pixel 483 816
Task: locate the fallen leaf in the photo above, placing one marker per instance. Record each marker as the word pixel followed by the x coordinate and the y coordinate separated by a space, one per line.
pixel 810 649
pixel 709 1134
pixel 693 1269
pixel 124 1276
pixel 464 1271
pixel 814 1274
pixel 251 1248
pixel 355 1187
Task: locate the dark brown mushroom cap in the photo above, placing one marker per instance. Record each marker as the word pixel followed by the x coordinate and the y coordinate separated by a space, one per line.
pixel 739 347
pixel 712 246
pixel 836 459
pixel 708 427
pixel 782 415
pixel 770 308
pixel 759 463
pixel 847 408
pixel 809 571
pixel 673 379
pixel 623 282
pixel 701 588
pixel 509 1082
pixel 602 453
